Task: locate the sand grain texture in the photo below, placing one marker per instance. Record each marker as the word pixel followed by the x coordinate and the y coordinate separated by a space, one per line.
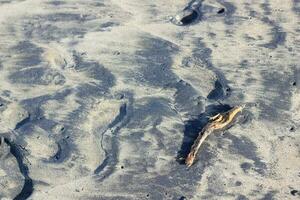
pixel 98 99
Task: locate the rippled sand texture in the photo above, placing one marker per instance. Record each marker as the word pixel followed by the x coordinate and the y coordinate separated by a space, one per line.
pixel 103 99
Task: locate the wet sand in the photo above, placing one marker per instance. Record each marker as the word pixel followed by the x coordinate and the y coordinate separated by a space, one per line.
pixel 103 99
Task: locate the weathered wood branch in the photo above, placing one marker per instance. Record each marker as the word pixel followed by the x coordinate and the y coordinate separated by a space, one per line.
pixel 220 121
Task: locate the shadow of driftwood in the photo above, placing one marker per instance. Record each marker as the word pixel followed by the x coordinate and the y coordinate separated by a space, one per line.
pixel 194 126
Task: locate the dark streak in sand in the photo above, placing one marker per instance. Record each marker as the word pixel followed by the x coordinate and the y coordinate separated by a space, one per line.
pixel 28 184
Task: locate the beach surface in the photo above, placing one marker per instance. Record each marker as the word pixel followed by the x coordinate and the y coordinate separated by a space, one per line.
pixel 102 100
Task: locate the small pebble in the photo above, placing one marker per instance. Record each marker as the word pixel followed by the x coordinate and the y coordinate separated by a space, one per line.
pixel 294 192
pixel 222 10
pixel 185 17
pixel 238 183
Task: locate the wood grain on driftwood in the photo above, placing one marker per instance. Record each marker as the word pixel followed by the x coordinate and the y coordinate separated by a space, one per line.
pixel 220 121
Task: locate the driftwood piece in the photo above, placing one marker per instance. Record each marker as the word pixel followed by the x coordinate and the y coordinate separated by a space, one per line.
pixel 220 121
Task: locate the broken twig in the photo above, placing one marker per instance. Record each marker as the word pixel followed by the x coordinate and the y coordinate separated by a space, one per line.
pixel 217 122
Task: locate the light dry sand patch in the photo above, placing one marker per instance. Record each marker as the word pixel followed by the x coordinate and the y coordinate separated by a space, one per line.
pixel 12 116
pixel 227 173
pixel 11 179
